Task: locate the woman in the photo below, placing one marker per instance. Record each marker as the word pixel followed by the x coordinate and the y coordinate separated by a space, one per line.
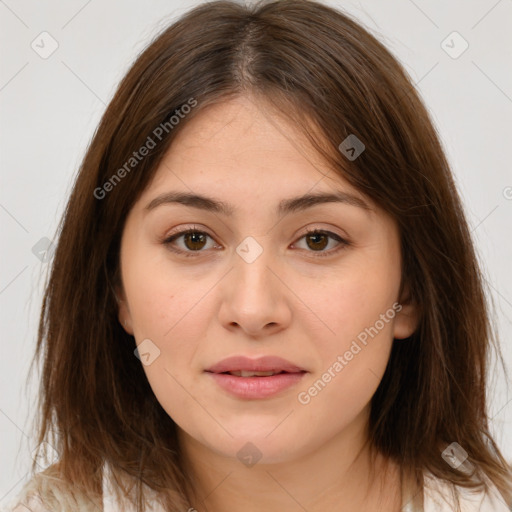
pixel 265 295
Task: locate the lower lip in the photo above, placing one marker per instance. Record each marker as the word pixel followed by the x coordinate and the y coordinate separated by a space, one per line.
pixel 256 387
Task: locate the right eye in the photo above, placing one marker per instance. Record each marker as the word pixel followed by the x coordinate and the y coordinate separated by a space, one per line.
pixel 193 242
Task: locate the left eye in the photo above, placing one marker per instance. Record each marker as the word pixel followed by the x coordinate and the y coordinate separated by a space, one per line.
pixel 194 241
pixel 319 239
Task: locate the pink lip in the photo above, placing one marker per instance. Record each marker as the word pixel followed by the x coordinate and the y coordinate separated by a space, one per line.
pixel 255 387
pixel 262 364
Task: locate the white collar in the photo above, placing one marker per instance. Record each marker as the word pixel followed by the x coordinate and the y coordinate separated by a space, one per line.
pixel 438 497
pixel 111 504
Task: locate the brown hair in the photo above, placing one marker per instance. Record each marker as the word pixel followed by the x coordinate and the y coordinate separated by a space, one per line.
pixel 331 78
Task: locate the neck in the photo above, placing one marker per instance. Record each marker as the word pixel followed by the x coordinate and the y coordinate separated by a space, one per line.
pixel 341 474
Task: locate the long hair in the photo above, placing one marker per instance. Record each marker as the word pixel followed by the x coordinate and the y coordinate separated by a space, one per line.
pixel 321 70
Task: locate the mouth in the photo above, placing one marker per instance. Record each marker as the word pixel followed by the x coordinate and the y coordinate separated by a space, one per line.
pixel 247 378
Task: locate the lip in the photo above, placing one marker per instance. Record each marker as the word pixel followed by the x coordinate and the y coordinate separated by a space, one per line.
pixel 261 364
pixel 256 387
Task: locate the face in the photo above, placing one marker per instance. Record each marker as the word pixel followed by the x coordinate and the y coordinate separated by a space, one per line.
pixel 314 283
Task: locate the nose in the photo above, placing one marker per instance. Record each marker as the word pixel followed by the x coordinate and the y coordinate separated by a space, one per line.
pixel 255 297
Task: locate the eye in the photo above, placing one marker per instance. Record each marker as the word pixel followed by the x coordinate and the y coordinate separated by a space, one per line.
pixel 193 239
pixel 318 240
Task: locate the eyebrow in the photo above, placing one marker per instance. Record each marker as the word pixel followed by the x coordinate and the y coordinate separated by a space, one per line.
pixel 290 205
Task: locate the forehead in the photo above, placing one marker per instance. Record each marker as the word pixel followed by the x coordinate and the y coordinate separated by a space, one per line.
pixel 242 149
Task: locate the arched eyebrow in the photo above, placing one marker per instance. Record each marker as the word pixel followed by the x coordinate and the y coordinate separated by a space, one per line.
pixel 285 206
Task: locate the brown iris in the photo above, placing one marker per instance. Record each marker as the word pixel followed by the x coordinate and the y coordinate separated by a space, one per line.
pixel 320 240
pixel 197 240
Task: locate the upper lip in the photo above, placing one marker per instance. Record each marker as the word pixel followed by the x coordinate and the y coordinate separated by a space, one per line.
pixel 261 364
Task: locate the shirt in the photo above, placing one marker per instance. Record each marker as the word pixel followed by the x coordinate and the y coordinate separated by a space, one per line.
pixel 437 498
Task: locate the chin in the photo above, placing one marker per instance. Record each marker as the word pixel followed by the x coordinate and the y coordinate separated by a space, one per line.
pixel 252 445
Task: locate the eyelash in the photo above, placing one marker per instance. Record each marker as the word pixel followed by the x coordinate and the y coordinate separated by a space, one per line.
pixel 192 254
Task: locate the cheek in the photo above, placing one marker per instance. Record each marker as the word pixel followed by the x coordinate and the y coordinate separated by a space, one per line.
pixel 173 321
pixel 355 302
pixel 168 314
pixel 354 351
pixel 160 301
pixel 353 362
pixel 168 311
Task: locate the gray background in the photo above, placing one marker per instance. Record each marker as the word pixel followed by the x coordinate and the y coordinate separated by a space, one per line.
pixel 51 106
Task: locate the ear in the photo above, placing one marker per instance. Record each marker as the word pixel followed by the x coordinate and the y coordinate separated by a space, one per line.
pixel 123 311
pixel 407 317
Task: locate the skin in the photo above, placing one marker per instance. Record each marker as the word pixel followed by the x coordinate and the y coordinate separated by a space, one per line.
pixel 289 302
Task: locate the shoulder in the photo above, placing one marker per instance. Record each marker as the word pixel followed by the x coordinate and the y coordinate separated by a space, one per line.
pixel 28 504
pixel 439 496
pixel 47 492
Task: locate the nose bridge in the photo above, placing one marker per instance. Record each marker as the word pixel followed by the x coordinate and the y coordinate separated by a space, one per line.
pixel 253 296
pixel 251 266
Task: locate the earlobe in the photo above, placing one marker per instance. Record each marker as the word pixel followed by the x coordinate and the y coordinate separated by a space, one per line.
pixel 123 312
pixel 407 318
